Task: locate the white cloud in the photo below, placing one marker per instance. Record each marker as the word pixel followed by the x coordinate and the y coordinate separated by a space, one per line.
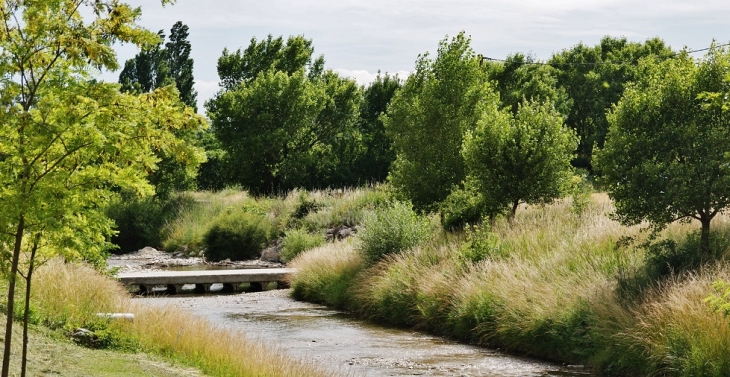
pixel 362 37
pixel 206 90
pixel 363 77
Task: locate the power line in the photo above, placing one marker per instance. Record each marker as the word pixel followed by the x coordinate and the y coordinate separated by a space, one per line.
pixel 482 58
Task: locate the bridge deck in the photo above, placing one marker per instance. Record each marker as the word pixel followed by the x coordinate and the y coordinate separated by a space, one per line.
pixel 253 275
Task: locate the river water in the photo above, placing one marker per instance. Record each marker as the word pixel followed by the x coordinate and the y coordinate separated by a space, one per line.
pixel 354 347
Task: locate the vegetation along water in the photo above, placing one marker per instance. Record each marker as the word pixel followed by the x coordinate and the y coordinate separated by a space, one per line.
pixel 572 209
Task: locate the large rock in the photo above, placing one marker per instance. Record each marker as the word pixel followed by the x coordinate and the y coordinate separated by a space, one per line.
pixel 272 253
pixel 340 233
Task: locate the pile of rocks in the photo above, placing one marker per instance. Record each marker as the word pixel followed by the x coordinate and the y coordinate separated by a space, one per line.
pixel 149 258
pixel 340 233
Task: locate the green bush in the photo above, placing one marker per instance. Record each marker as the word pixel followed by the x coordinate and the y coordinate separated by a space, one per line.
pixel 462 207
pixel 140 221
pixel 297 240
pixel 391 230
pixel 481 244
pixel 237 235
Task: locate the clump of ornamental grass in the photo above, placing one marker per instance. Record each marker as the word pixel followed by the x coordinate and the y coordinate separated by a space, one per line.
pixel 68 295
pixel 326 274
pixel 672 330
pixel 392 229
pixel 411 288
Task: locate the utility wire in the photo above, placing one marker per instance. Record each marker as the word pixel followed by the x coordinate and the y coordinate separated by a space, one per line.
pixel 482 58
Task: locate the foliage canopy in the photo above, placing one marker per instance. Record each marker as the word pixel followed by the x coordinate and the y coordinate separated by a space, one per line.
pixel 69 142
pixel 665 158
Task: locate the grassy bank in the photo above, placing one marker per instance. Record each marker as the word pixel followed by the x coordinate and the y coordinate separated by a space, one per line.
pixel 233 224
pixel 574 287
pixel 68 296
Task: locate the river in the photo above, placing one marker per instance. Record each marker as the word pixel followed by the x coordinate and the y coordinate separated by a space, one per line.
pixel 351 346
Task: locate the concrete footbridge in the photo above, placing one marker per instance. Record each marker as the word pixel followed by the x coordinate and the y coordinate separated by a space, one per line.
pixel 257 278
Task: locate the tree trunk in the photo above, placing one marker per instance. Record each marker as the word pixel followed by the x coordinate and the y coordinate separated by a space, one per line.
pixel 26 312
pixel 513 211
pixel 11 295
pixel 705 236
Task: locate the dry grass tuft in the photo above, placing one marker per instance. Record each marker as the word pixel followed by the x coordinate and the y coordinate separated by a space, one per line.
pixel 71 294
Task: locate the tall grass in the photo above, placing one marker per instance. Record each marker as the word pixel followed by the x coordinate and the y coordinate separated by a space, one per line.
pixel 326 274
pixel 555 288
pixel 70 295
pixel 313 212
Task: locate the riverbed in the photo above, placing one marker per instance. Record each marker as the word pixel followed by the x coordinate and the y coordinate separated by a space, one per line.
pixel 335 340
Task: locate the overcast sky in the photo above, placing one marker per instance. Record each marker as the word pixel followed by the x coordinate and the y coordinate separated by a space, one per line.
pixel 358 38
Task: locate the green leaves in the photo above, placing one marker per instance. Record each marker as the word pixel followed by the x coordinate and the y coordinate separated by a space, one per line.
pixel 428 117
pixel 284 128
pixel 664 158
pixel 523 158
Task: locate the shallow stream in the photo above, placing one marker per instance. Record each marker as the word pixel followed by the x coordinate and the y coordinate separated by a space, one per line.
pixel 344 344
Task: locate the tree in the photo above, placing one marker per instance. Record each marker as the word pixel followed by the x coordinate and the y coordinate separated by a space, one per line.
pixel 69 142
pixel 519 158
pixel 521 78
pixel 595 78
pixel 272 53
pixel 155 67
pixel 147 70
pixel 665 158
pixel 180 64
pixel 428 117
pixel 373 164
pixel 287 125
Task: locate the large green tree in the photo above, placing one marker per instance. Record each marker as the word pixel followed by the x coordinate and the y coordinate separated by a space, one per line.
pixel 283 121
pixel 595 78
pixel 373 164
pixel 70 142
pixel 428 117
pixel 155 66
pixel 665 157
pixel 180 64
pixel 519 78
pixel 519 158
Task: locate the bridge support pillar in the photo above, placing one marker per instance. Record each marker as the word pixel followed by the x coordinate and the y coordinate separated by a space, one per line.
pixel 202 288
pixel 230 287
pixel 143 289
pixel 257 286
pixel 173 289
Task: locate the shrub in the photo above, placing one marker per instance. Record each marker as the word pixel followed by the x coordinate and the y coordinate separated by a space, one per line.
pixel 237 235
pixel 140 220
pixel 391 230
pixel 481 244
pixel 462 207
pixel 297 240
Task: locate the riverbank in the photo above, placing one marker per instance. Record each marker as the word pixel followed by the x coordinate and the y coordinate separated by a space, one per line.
pixel 350 346
pixel 576 288
pixel 52 354
pixel 67 297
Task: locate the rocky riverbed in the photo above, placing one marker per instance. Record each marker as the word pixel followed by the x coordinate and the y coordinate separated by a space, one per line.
pixel 150 259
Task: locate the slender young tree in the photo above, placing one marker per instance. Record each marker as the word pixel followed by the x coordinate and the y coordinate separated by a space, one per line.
pixel 69 141
pixel 428 117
